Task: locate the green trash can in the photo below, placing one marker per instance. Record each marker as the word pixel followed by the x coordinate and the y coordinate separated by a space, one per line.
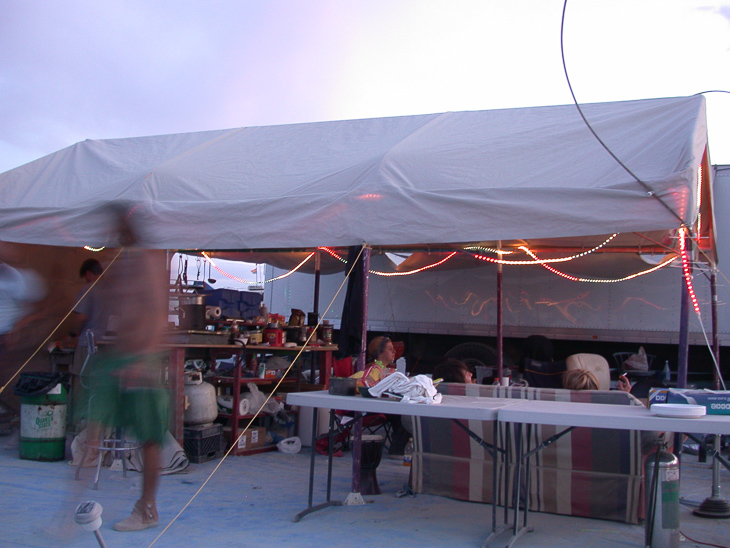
pixel 43 409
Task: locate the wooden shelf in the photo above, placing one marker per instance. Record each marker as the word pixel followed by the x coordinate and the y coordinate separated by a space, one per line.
pixel 228 416
pixel 254 450
pixel 231 419
pixel 256 380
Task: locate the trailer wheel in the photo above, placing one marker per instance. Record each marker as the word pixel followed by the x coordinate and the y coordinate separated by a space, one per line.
pixel 473 354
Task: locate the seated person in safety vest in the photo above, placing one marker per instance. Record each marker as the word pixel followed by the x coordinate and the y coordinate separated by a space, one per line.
pixel 381 354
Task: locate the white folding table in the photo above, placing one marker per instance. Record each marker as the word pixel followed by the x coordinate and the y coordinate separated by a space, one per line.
pixel 451 407
pixel 595 415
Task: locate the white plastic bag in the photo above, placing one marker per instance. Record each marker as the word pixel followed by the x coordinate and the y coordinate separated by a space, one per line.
pixel 290 446
pixel 256 399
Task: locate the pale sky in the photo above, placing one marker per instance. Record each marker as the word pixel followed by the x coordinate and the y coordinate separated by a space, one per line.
pixel 72 70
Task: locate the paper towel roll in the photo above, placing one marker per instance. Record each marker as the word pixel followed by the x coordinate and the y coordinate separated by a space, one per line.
pixel 244 405
pixel 213 312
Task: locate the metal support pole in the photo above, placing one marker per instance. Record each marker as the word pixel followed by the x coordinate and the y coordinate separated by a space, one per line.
pixel 317 273
pixel 715 506
pixel 355 497
pixel 500 326
pixel 715 330
pixel 683 356
pixel 365 266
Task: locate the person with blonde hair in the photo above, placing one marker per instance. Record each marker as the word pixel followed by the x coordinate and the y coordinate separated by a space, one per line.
pixel 582 379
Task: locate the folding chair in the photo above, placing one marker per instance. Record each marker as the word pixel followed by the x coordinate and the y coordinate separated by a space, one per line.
pixel 372 423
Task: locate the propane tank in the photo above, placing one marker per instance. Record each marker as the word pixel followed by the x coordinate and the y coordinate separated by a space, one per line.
pixel 200 400
pixel 662 502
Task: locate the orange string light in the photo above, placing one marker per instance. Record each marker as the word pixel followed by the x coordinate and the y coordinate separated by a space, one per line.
pixel 390 274
pixel 686 269
pixel 599 280
pixel 240 280
pixel 543 261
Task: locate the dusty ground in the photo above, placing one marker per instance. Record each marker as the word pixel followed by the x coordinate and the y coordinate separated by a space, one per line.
pixel 250 501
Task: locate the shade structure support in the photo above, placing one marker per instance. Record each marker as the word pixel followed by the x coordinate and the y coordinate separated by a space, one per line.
pixel 355 497
pixel 683 353
pixel 500 319
pixel 715 506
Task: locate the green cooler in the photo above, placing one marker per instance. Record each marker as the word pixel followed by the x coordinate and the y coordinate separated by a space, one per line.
pixel 43 406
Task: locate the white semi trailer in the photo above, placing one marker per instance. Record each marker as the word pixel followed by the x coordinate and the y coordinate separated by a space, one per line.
pixel 461 303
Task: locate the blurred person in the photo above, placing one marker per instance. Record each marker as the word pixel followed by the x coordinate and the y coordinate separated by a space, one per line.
pixel 125 379
pixel 90 313
pixel 22 294
pixel 453 370
pixel 19 290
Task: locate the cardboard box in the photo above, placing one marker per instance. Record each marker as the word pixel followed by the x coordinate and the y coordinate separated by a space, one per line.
pixel 253 437
pixel 717 402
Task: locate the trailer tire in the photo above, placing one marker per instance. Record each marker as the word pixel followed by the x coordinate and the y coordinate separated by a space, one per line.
pixel 473 354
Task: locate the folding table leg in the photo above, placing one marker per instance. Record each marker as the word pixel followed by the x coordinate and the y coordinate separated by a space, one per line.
pixel 328 502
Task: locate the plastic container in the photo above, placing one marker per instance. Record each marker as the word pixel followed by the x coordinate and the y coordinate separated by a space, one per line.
pixel 408 453
pixel 343 386
pixel 255 337
pixel 43 409
pixel 274 336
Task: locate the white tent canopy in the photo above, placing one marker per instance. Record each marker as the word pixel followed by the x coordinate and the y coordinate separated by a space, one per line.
pixel 453 177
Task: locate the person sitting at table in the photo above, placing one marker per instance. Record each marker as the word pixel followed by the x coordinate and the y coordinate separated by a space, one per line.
pixel 381 356
pixel 381 362
pixel 453 370
pixel 582 379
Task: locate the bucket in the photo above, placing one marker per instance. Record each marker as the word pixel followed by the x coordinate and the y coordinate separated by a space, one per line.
pixel 43 408
pixel 192 312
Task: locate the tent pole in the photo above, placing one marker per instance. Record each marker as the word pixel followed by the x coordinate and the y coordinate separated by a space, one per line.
pixel 500 327
pixel 684 328
pixel 355 497
pixel 715 329
pixel 317 273
pixel 715 506
pixel 683 356
pixel 365 265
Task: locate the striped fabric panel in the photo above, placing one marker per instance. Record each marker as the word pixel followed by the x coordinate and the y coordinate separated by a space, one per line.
pixel 587 472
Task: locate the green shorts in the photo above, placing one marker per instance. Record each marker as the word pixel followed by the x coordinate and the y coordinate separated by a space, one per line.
pixel 143 411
